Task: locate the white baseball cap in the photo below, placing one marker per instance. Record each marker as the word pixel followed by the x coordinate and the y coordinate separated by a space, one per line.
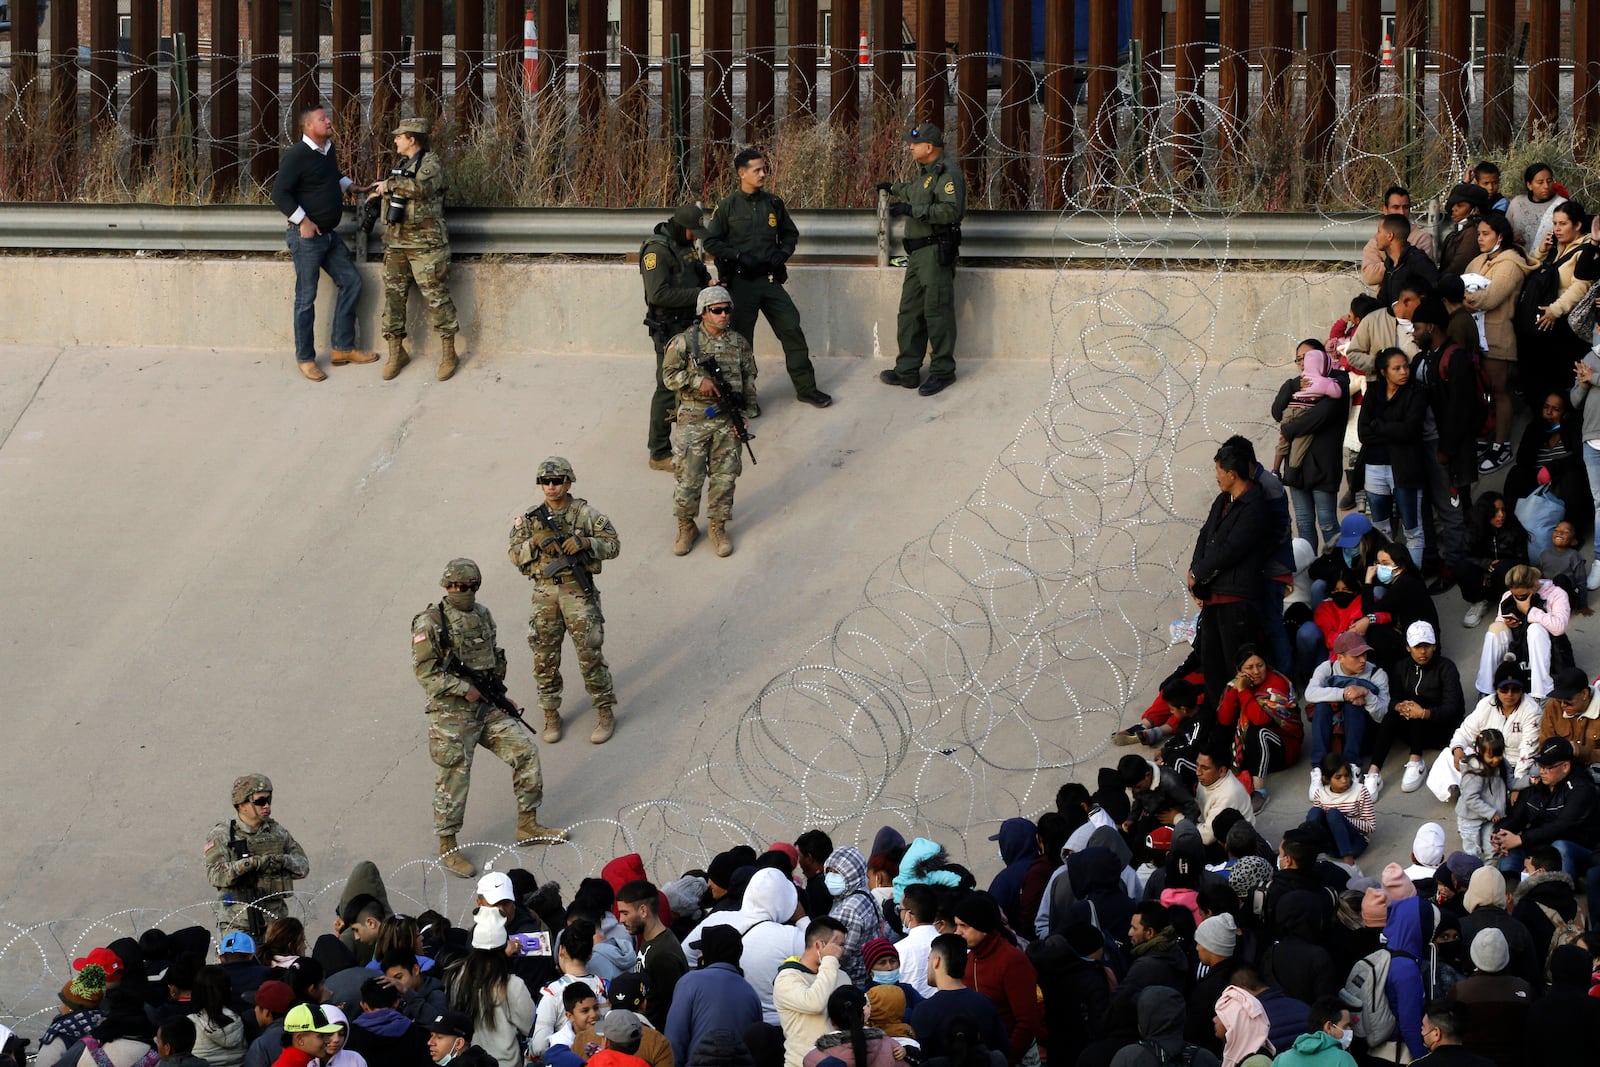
pixel 495 887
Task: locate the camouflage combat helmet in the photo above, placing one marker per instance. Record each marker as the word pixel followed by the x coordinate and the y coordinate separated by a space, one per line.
pixel 555 467
pixel 248 785
pixel 461 572
pixel 415 127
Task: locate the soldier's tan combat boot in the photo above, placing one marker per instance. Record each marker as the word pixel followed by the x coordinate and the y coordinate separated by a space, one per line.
pixel 447 356
pixel 529 832
pixel 605 725
pixel 719 538
pixel 552 727
pixel 398 358
pixel 662 464
pixel 688 534
pixel 452 860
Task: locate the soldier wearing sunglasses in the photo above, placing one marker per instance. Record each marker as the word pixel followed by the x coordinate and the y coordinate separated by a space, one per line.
pixel 253 861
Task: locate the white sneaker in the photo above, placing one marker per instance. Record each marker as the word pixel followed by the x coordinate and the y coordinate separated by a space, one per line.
pixel 1416 773
pixel 1475 614
pixel 1316 783
pixel 1374 785
pixel 1594 575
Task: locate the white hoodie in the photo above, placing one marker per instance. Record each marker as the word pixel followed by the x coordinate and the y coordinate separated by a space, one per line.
pixel 770 901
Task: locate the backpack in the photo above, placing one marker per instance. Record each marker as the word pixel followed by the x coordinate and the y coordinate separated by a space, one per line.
pixel 1539 289
pixel 1581 319
pixel 1363 993
pixel 1562 932
pixel 1482 416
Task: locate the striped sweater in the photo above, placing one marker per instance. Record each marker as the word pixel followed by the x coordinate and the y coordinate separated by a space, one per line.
pixel 1355 802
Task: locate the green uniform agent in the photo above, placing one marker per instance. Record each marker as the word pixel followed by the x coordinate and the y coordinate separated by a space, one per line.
pixel 932 203
pixel 752 237
pixel 705 447
pixel 253 861
pixel 565 525
pixel 673 277
pixel 457 726
pixel 417 249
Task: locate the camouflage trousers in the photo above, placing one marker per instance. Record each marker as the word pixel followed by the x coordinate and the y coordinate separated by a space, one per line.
pixel 705 449
pixel 236 911
pixel 428 267
pixel 559 609
pixel 452 738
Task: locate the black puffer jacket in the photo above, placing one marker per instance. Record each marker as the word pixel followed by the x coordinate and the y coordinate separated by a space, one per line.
pixel 1391 432
pixel 1238 537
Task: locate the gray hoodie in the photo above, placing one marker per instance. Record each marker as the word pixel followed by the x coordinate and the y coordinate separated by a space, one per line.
pixel 770 901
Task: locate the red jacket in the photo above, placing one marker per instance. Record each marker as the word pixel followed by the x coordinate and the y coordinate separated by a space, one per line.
pixel 293 1057
pixel 1333 620
pixel 630 868
pixel 1000 971
pixel 1159 713
pixel 1287 726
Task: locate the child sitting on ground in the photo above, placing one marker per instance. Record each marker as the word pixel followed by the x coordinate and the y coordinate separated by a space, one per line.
pixel 1342 810
pixel 1485 785
pixel 1563 565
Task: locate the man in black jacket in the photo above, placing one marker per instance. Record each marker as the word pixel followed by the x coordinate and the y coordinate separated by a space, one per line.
pixel 1225 573
pixel 310 191
pixel 1557 810
pixel 1451 378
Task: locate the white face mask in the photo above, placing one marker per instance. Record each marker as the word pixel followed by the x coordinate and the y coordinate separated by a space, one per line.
pixel 1346 1038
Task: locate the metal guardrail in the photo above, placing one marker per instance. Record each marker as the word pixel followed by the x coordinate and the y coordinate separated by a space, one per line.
pixel 824 235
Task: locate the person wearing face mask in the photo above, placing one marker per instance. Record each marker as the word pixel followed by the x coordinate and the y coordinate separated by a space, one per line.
pixel 450 1041
pixel 1395 597
pixel 1443 1023
pixel 883 972
pixel 1326 1043
pixel 845 875
pixel 460 718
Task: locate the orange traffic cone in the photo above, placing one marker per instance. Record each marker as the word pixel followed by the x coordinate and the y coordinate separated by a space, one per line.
pixel 1388 52
pixel 530 54
pixel 864 57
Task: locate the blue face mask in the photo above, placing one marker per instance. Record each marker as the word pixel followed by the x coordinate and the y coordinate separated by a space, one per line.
pixel 1385 573
pixel 1350 555
pixel 885 977
pixel 835 883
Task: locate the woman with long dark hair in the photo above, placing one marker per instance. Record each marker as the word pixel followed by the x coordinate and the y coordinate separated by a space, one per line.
pixel 1390 427
pixel 481 985
pixel 852 1041
pixel 1503 262
pixel 218 1032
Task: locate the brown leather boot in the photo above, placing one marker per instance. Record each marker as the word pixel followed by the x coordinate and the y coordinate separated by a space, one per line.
pixel 341 356
pixel 605 725
pixel 309 368
pixel 688 534
pixel 719 538
pixel 447 356
pixel 529 832
pixel 452 860
pixel 398 358
pixel 552 727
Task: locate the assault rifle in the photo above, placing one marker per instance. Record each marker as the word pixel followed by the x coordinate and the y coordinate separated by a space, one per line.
pixel 732 402
pixel 577 563
pixel 492 689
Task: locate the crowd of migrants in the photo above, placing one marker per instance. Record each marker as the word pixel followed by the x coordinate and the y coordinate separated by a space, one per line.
pixel 1145 920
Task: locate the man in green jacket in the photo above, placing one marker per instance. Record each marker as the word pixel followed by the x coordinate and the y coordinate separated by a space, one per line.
pixel 933 204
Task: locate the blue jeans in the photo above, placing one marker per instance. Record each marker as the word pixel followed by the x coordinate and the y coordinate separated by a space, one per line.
pixel 1591 464
pixel 324 252
pixel 1347 840
pixel 1315 512
pixel 1383 496
pixel 1274 634
pixel 1574 857
pixel 1310 650
pixel 1355 730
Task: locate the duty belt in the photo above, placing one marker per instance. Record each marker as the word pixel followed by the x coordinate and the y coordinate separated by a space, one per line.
pixel 564 578
pixel 914 243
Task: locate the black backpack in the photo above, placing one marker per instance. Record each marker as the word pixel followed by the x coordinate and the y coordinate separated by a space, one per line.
pixel 1539 290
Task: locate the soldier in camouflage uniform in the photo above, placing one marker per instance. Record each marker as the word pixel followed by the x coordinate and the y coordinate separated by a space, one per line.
pixel 548 543
pixel 933 204
pixel 752 236
pixel 253 860
pixel 705 446
pixel 673 276
pixel 418 248
pixel 459 719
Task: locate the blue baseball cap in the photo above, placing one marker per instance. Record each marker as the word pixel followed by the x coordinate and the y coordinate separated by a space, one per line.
pixel 1353 529
pixel 238 941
